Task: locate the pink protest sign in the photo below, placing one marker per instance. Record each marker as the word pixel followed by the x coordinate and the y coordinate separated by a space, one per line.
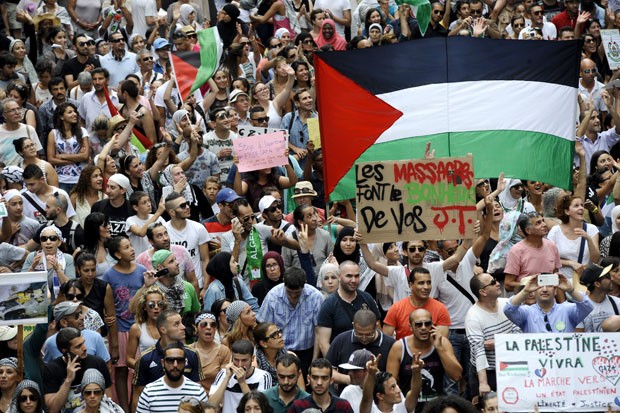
pixel 260 151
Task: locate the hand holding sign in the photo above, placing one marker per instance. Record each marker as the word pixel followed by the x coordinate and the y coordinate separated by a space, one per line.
pixel 261 151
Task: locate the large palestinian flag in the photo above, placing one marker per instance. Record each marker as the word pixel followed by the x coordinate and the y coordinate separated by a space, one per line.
pixel 194 69
pixel 512 104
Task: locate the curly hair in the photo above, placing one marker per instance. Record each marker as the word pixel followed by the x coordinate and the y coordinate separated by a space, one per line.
pixel 141 313
pixel 564 204
pixel 81 188
pixel 76 129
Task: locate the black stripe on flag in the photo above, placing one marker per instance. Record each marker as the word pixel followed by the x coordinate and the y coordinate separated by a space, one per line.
pixel 457 59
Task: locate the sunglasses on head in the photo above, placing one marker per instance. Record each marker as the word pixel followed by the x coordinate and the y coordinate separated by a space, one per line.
pixel 92 392
pixel 423 324
pixel 156 304
pixel 72 297
pixel 53 238
pixel 28 397
pixel 414 249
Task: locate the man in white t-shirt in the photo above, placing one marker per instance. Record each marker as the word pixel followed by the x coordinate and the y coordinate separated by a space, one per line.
pixel 599 284
pixel 387 398
pixel 36 193
pixel 144 14
pixel 190 234
pixel 356 369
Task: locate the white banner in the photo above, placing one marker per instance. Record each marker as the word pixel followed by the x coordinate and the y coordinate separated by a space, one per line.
pixel 611 43
pixel 558 372
pixel 24 298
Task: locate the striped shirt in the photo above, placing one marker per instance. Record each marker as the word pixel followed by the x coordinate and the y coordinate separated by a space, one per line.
pixel 482 325
pixel 159 397
pixel 259 380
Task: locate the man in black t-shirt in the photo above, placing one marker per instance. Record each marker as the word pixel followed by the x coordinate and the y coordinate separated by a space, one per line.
pixel 115 207
pixel 63 375
pixel 78 64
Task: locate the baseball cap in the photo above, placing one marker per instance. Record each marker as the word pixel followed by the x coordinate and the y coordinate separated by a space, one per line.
pixel 160 43
pixel 357 360
pixel 592 273
pixel 265 202
pixel 234 95
pixel 226 195
pixel 7 333
pixel 65 308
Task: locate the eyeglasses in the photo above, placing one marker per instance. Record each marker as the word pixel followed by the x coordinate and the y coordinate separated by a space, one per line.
pixel 275 334
pixel 303 191
pixel 157 304
pixel 14 110
pixel 30 397
pixel 414 249
pixel 72 297
pixel 493 282
pixel 537 13
pixel 362 335
pixel 184 205
pixel 273 208
pixel 194 402
pixel 53 238
pixel 420 324
pixel 206 324
pixel 147 59
pixel 588 71
pixel 117 40
pixel 272 266
pixel 547 325
pixel 172 360
pixel 92 392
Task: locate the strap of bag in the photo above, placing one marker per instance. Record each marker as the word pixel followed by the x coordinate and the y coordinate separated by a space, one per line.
pixel 461 289
pixel 614 305
pixel 582 247
pixel 34 203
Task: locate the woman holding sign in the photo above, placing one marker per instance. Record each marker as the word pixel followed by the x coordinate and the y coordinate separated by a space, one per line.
pixel 273 108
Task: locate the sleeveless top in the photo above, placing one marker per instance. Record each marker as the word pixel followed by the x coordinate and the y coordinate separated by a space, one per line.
pixel 274 116
pixel 95 300
pixel 432 374
pixel 122 109
pixel 146 340
pixel 69 174
pixel 281 22
pixel 82 209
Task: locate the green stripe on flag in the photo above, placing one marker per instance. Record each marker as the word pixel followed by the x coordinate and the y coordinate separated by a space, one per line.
pixel 210 55
pixel 136 142
pixel 500 146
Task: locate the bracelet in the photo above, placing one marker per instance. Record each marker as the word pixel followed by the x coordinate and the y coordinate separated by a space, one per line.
pixel 595 210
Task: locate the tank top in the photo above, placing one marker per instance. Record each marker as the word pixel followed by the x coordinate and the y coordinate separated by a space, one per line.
pixel 281 22
pixel 274 116
pixel 146 340
pixel 122 112
pixel 432 374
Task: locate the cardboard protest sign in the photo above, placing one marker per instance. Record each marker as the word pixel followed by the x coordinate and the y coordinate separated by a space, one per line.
pixel 260 151
pixel 611 44
pixel 416 199
pixel 558 372
pixel 246 131
pixel 314 132
pixel 24 298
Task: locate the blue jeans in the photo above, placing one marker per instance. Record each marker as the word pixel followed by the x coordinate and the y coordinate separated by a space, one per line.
pixel 460 344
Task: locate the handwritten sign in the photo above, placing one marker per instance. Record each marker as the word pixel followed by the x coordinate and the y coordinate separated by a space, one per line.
pixel 416 199
pixel 260 151
pixel 24 298
pixel 314 132
pixel 246 131
pixel 611 44
pixel 558 372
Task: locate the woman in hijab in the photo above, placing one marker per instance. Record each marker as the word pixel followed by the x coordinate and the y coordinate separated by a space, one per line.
pixel 8 382
pixel 329 36
pixel 227 24
pixel 24 66
pixel 605 243
pixel 346 248
pixel 173 179
pixel 188 17
pixel 94 399
pixel 27 398
pixel 272 270
pixel 511 198
pixel 223 270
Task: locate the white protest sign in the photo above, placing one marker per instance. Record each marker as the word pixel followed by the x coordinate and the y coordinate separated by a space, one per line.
pixel 611 44
pixel 558 372
pixel 246 131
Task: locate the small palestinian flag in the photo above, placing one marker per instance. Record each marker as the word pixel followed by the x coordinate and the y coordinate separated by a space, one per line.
pixel 513 366
pixel 194 69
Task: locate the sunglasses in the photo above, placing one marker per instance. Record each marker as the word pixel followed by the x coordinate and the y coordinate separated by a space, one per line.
pixel 537 13
pixel 53 238
pixel 72 297
pixel 192 35
pixel 156 304
pixel 221 116
pixel 262 120
pixel 450 252
pixel 184 205
pixel 475 11
pixel 308 41
pixel 493 282
pixel 275 334
pixel 486 181
pixel 172 360
pixel 276 45
pixel 117 40
pixel 163 49
pixel 244 43
pixel 414 249
pixel 423 324
pixel 29 397
pixel 147 59
pixel 247 218
pixel 273 208
pixel 92 392
pixel 588 71
pixel 303 191
pixel 438 11
pixel 206 324
pixel 547 325
pixel 82 44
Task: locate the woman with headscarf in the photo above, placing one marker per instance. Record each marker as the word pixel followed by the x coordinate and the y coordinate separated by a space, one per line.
pixel 8 382
pixel 188 17
pixel 173 179
pixel 329 36
pixel 27 398
pixel 242 321
pixel 94 399
pixel 272 271
pixel 223 270
pixel 511 198
pixel 605 243
pixel 227 24
pixel 346 248
pixel 213 355
pixel 24 66
pixel 180 120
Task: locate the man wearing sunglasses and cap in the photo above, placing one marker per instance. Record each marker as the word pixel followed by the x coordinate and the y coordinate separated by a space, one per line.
pixel 483 320
pixel 304 194
pixel 597 279
pixel 219 140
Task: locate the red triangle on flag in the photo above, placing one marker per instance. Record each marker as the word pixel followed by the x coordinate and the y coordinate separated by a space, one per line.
pixel 352 119
pixel 185 66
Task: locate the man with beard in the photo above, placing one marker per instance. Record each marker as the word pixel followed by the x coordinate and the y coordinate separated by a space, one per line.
pixel 119 61
pixel 82 62
pixel 151 365
pixel 17 229
pixel 38 191
pixel 282 395
pixel 271 212
pixel 157 234
pixel 166 393
pixel 58 89
pixel 56 213
pixel 433 349
pixel 94 103
pixel 599 284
